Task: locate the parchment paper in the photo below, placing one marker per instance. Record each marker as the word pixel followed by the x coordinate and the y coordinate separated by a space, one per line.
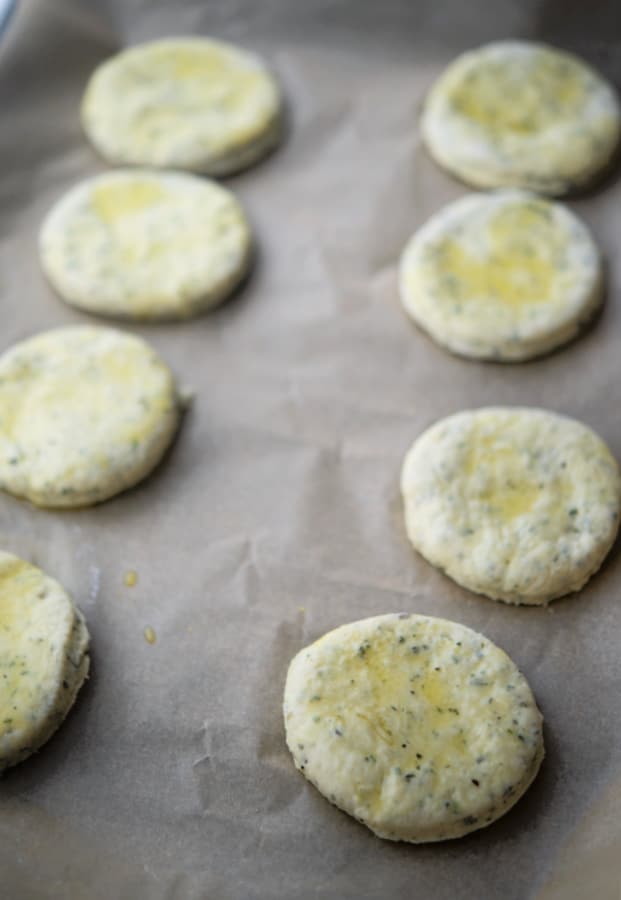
pixel 276 516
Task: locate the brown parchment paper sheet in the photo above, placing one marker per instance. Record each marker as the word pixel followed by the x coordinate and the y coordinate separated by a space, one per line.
pixel 277 516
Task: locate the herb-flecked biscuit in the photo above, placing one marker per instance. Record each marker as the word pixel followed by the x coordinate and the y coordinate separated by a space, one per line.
pixel 183 103
pixel 43 657
pixel 85 412
pixel 505 276
pixel 145 245
pixel 418 727
pixel 522 114
pixel 519 504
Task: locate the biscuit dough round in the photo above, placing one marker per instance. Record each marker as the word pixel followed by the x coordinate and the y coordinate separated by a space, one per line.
pixel 43 657
pixel 522 114
pixel 197 104
pixel 504 276
pixel 519 504
pixel 145 245
pixel 418 727
pixel 85 413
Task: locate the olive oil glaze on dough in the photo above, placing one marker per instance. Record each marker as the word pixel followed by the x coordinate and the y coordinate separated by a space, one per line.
pixel 418 727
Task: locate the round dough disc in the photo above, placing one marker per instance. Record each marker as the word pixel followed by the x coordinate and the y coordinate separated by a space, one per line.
pixel 43 657
pixel 85 413
pixel 420 728
pixel 504 276
pixel 145 245
pixel 521 505
pixel 185 103
pixel 522 114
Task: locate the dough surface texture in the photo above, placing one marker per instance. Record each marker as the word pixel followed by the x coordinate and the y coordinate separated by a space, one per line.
pixel 418 727
pixel 505 276
pixel 43 657
pixel 519 504
pixel 201 105
pixel 145 245
pixel 522 114
pixel 85 412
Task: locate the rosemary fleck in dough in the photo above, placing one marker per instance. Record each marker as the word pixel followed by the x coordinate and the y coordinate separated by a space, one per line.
pixel 85 413
pixel 521 114
pixel 183 103
pixel 43 657
pixel 504 276
pixel 145 245
pixel 418 727
pixel 521 505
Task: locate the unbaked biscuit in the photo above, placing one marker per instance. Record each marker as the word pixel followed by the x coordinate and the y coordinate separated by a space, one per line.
pixel 197 104
pixel 85 413
pixel 504 276
pixel 519 504
pixel 43 657
pixel 418 727
pixel 522 114
pixel 145 245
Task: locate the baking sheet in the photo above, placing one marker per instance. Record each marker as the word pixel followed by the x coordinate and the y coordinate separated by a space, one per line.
pixel 276 516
